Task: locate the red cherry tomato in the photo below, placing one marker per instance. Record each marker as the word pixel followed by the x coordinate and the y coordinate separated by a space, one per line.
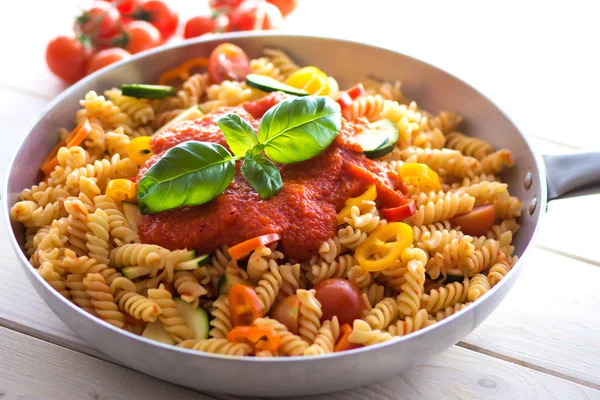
pixel 254 15
pixel 200 25
pixel 339 297
pixel 228 62
pixel 285 6
pixel 100 23
pixel 105 57
pixel 217 5
pixel 288 313
pixel 66 57
pixel 478 221
pixel 141 36
pixel 159 14
pixel 125 7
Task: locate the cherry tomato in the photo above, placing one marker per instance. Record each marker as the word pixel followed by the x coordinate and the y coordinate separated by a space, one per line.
pixel 159 14
pixel 217 5
pixel 100 23
pixel 285 6
pixel 249 14
pixel 66 57
pixel 228 62
pixel 105 57
pixel 141 36
pixel 200 25
pixel 288 313
pixel 340 298
pixel 125 7
pixel 478 221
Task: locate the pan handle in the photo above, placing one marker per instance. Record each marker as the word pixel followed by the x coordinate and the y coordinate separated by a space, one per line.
pixel 574 174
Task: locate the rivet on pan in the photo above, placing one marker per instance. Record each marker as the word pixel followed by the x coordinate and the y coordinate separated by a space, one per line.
pixel 528 179
pixel 532 205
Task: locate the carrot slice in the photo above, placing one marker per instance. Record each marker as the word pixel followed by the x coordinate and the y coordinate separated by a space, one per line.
pixel 74 139
pixel 241 250
pixel 343 343
pixel 244 305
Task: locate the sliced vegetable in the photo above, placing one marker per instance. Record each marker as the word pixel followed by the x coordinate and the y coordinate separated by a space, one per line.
pixel 142 91
pixel 156 331
pixel 379 139
pixel 75 138
pixel 268 84
pixel 260 337
pixel 420 175
pixel 343 343
pixel 454 275
pixel 310 79
pixel 478 221
pixel 139 150
pixel 121 190
pixel 386 194
pixel 241 250
pixel 347 97
pixel 287 311
pixel 182 72
pixel 369 195
pixel 132 214
pixel 339 298
pixel 227 281
pixel 399 213
pixel 384 246
pixel 228 62
pixel 344 100
pixel 136 271
pixel 194 263
pixel 190 114
pixel 244 305
pixel 195 317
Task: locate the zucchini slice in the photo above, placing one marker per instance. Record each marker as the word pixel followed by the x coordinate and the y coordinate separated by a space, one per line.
pixel 196 318
pixel 453 275
pixel 227 281
pixel 156 331
pixel 194 263
pixel 268 84
pixel 135 271
pixel 132 214
pixel 379 139
pixel 190 114
pixel 141 91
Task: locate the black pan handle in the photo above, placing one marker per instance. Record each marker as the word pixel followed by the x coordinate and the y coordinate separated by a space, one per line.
pixel 574 174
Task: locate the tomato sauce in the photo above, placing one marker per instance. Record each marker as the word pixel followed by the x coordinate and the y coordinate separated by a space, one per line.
pixel 303 213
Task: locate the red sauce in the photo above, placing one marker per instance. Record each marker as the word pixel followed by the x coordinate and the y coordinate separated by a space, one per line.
pixel 303 212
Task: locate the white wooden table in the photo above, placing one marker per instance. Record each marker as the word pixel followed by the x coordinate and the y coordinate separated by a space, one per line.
pixel 539 63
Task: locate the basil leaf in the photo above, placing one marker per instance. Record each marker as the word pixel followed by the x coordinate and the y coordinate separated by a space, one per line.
pixel 238 133
pixel 299 128
pixel 188 174
pixel 262 175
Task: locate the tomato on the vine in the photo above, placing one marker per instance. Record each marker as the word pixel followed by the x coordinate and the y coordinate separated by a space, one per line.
pixel 140 36
pixel 200 25
pixel 285 6
pixel 254 15
pixel 125 7
pixel 228 62
pixel 106 57
pixel 159 14
pixel 99 24
pixel 66 57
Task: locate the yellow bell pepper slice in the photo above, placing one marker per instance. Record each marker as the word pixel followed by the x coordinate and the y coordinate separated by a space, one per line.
pixel 139 150
pixel 121 190
pixel 384 246
pixel 369 195
pixel 420 175
pixel 311 79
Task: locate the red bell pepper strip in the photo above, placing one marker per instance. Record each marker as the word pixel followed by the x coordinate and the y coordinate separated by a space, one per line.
pixel 347 97
pixel 399 213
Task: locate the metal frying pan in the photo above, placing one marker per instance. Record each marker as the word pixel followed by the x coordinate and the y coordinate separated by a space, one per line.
pixel 534 180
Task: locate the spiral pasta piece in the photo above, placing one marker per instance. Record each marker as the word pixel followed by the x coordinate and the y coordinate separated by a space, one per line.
pixel 310 315
pixel 220 323
pixel 372 295
pixel 282 62
pixel 269 286
pixel 365 221
pixel 119 227
pixel 137 306
pixel 174 324
pixel 230 93
pixel 410 324
pixel 509 208
pixel 431 139
pixel 292 279
pixel 509 225
pixel 449 161
pixel 405 118
pixel 78 218
pixel 364 106
pixel 289 344
pixel 22 211
pixel 498 271
pixel 258 262
pixel 139 110
pixel 495 162
pixel 446 207
pixel 452 254
pixel 387 90
pixel 359 277
pixel 469 146
pixel 78 293
pixel 383 313
pixel 103 301
pixel 116 142
pixel 479 286
pixel 330 249
pixel 409 301
pixel 434 241
pixel 329 332
pixel 445 121
pixel 262 66
pixel 448 311
pixel 351 238
pixel 323 270
pixel 98 236
pixel 217 346
pixel 483 258
pixel 486 192
pixel 139 254
pixel 188 287
pixel 362 333
pixel 47 272
pixel 446 296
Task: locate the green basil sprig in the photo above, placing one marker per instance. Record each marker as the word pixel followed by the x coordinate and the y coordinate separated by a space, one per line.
pixel 193 173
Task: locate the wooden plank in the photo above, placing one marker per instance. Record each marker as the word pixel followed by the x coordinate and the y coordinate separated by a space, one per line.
pixel 549 320
pixel 65 374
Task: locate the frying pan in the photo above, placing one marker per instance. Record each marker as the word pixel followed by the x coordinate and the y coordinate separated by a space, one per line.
pixel 534 180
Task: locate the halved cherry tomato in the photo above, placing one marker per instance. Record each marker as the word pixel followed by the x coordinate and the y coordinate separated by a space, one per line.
pixel 228 62
pixel 399 213
pixel 66 57
pixel 106 57
pixel 74 139
pixel 244 305
pixel 285 6
pixel 340 298
pixel 478 221
pixel 201 25
pixel 139 150
pixel 99 24
pixel 260 337
pixel 140 36
pixel 343 343
pixel 254 15
pixel 243 249
pixel 159 14
pixel 121 190
pixel 288 313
